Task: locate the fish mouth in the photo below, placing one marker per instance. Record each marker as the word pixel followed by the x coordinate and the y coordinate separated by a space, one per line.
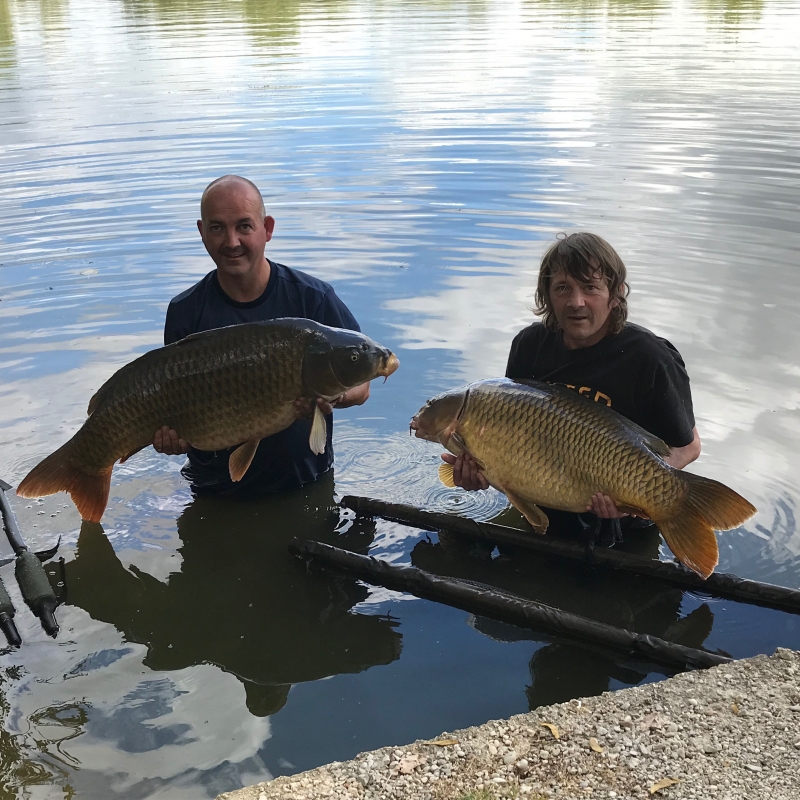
pixel 390 363
pixel 418 431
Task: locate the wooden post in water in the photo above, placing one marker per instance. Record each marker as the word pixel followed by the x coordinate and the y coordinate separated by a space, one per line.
pixel 490 602
pixel 718 583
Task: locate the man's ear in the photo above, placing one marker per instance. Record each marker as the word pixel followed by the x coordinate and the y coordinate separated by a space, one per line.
pixel 200 227
pixel 269 226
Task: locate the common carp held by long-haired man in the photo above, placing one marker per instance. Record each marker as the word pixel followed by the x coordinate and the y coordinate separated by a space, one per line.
pixel 217 389
pixel 543 444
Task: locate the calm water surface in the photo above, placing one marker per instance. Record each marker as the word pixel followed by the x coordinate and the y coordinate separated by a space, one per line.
pixel 419 155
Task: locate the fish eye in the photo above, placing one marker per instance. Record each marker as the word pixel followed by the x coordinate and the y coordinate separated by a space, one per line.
pixel 354 356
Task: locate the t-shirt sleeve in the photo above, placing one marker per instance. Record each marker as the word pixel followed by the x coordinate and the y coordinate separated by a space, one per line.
pixel 519 357
pixel 172 325
pixel 671 400
pixel 332 311
pixel 176 324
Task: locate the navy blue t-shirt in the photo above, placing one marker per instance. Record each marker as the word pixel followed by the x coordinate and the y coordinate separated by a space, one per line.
pixel 284 460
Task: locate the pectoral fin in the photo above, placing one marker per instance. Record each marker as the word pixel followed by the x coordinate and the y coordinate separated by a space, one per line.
pixel 132 453
pixel 446 475
pixel 319 432
pixel 535 516
pixel 241 458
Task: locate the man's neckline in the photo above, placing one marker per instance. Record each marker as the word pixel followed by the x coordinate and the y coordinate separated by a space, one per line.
pixel 250 303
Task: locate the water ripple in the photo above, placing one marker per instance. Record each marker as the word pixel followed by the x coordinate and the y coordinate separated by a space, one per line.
pixel 398 468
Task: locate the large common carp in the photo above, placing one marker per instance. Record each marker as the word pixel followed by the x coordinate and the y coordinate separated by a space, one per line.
pixel 542 444
pixel 217 389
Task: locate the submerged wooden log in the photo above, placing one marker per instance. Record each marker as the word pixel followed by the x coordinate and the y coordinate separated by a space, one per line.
pixel 490 602
pixel 719 583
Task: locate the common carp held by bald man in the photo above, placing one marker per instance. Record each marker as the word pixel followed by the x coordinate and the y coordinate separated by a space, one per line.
pixel 217 389
pixel 545 445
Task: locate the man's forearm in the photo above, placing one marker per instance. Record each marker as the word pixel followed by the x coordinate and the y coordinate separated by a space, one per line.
pixel 679 457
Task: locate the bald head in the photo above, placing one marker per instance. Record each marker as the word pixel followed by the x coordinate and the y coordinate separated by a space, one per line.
pixel 232 183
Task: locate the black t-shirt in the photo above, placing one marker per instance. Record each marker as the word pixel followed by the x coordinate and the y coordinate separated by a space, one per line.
pixel 283 461
pixel 634 372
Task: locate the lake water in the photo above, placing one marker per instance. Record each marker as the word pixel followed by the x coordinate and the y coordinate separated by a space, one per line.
pixel 420 156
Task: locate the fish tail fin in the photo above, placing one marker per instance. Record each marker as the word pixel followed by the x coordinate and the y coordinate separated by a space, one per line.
pixel 692 540
pixel 60 472
pixel 708 506
pixel 719 505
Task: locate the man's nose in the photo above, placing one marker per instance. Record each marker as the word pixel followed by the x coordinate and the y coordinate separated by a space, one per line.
pixel 231 238
pixel 576 300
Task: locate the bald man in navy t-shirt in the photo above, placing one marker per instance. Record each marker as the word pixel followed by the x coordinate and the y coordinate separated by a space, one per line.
pixel 248 287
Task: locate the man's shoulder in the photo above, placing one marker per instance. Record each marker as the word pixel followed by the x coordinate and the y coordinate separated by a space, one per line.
pixel 644 341
pixel 535 332
pixel 193 292
pixel 298 280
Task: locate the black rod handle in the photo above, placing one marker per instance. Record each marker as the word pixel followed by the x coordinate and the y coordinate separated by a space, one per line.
pixel 37 591
pixel 7 612
pixel 10 521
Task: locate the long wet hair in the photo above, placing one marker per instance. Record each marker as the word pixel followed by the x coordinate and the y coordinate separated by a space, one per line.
pixel 581 255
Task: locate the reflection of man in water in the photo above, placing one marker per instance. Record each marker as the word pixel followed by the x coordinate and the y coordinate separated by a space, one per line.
pixel 562 670
pixel 247 287
pixel 248 607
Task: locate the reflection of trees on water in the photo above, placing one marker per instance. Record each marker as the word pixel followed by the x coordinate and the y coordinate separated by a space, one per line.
pixel 272 20
pixel 7 40
pixel 6 28
pixel 731 12
pixel 618 9
pixel 35 758
pixel 51 14
pixel 562 670
pixel 240 601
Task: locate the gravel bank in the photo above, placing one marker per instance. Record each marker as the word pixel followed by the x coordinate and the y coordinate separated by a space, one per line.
pixel 728 733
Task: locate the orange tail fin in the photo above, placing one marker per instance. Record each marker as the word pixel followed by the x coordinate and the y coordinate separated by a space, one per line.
pixel 59 472
pixel 709 506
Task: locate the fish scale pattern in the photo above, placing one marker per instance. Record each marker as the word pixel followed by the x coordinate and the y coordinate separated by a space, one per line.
pixel 216 390
pixel 550 446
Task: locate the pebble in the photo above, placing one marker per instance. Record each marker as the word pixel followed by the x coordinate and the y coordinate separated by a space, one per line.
pixel 683 728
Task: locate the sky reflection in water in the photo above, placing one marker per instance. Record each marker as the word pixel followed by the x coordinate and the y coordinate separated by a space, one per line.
pixel 420 156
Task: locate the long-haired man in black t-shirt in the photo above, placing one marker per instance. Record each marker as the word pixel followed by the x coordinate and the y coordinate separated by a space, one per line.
pixel 585 342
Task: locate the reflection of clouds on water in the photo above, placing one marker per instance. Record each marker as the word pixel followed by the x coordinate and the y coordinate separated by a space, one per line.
pixel 477 315
pixel 137 723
